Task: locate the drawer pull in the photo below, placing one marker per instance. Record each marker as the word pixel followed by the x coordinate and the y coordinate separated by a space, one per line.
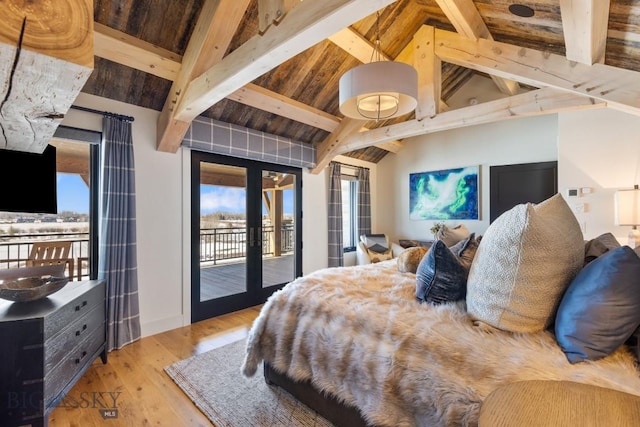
pixel 84 327
pixel 84 353
pixel 78 307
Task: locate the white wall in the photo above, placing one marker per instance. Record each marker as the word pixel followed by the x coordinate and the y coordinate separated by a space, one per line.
pixel 600 150
pixel 507 142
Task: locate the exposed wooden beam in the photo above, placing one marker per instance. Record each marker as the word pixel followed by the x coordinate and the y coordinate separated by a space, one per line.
pixel 584 24
pixel 618 87
pixel 285 181
pixel 429 69
pixel 355 44
pixel 467 21
pixel 267 100
pixel 272 11
pixel 534 103
pixel 122 48
pixel 211 36
pixel 266 200
pixel 328 148
pixel 303 27
pixel 43 66
pixel 160 62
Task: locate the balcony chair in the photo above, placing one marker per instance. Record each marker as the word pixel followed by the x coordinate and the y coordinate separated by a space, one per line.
pixel 376 247
pixel 51 253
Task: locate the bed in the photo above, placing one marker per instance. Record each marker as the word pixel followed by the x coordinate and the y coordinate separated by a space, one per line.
pixel 359 336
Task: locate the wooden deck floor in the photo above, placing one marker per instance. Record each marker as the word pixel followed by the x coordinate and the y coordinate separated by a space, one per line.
pixel 229 279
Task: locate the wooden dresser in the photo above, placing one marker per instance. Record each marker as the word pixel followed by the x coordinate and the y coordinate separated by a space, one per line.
pixel 46 346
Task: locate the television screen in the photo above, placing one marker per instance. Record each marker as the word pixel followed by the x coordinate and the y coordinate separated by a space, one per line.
pixel 28 181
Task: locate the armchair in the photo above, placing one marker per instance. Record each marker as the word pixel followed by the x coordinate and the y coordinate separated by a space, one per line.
pixel 372 246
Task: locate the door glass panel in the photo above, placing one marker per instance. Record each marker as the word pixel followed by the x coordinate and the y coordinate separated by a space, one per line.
pixel 223 266
pixel 278 228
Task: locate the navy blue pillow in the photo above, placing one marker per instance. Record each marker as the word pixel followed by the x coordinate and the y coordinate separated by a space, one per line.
pixel 600 309
pixel 441 275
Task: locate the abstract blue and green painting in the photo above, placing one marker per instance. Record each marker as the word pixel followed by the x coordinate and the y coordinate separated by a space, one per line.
pixel 444 194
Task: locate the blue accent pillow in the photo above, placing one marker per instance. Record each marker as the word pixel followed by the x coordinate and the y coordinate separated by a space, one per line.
pixel 442 274
pixel 601 308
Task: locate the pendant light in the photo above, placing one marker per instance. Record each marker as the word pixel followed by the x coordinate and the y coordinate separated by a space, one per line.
pixel 380 89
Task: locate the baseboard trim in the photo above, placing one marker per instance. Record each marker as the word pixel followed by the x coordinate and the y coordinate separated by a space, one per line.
pixel 161 325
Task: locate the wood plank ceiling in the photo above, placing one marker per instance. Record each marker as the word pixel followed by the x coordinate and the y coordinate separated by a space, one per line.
pixel 164 28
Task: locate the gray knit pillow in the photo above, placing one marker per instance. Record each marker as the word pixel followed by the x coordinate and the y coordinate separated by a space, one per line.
pixel 524 263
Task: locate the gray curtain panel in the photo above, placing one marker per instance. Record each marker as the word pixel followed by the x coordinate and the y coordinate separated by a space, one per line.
pixel 364 202
pixel 335 216
pixel 118 264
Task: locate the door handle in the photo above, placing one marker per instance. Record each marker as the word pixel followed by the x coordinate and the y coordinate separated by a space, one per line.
pixel 251 237
pixel 259 241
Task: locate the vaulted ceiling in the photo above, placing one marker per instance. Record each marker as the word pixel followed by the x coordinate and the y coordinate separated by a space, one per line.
pixel 231 61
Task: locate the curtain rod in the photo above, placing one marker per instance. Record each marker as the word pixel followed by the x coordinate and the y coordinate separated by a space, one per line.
pixel 104 113
pixel 350 166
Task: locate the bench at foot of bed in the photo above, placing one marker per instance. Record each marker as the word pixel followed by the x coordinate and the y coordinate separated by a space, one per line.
pixel 327 406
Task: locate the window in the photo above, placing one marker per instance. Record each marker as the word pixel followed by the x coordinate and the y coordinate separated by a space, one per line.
pixel 349 213
pixel 76 218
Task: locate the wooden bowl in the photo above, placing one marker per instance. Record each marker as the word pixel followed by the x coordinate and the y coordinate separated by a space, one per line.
pixel 31 288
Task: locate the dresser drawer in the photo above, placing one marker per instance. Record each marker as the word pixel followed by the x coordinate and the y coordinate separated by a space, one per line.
pixel 71 336
pixel 73 362
pixel 75 309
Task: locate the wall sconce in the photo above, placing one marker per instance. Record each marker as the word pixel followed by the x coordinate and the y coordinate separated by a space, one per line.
pixel 627 210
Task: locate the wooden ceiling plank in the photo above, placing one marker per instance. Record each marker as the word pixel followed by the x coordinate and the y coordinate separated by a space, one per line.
pixel 584 24
pixel 619 88
pixel 303 27
pixel 429 70
pixel 272 11
pixel 209 177
pixel 209 41
pixel 127 50
pixel 533 103
pixel 467 21
pixel 328 148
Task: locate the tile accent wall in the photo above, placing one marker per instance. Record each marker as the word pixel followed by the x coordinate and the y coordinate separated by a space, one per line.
pixel 218 137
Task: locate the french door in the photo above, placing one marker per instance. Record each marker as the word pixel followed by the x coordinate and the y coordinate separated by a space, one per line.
pixel 246 232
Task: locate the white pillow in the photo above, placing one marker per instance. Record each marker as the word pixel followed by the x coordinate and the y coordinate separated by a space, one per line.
pixel 525 261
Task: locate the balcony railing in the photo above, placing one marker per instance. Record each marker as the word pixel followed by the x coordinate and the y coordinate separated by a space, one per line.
pixel 216 244
pixel 15 249
pixel 223 244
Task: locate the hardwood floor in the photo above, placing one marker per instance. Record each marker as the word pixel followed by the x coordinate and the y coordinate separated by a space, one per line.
pixel 134 376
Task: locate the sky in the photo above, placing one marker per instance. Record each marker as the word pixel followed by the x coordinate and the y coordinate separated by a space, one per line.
pixel 214 198
pixel 73 194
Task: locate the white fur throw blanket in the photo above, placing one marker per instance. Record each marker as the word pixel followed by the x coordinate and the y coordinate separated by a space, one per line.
pixel 360 334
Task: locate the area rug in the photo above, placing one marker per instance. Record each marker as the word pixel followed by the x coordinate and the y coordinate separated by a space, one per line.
pixel 213 381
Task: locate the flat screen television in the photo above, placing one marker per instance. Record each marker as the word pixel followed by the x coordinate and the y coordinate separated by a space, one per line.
pixel 29 181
